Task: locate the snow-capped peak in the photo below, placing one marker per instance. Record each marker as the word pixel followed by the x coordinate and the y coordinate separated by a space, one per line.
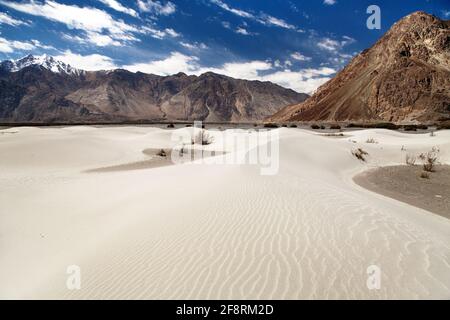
pixel 45 61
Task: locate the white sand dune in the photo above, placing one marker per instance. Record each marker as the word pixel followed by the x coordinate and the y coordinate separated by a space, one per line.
pixel 212 231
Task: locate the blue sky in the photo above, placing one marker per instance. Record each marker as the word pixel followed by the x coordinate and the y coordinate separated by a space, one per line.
pixel 297 44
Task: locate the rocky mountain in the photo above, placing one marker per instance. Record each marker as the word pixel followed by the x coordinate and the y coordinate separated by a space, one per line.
pixel 404 77
pixel 44 90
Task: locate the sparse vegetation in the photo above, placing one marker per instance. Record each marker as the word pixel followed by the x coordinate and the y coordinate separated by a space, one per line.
pixel 410 128
pixel 293 126
pixel 315 127
pixel 335 127
pixel 410 159
pixel 444 125
pixel 171 126
pixel 381 125
pixel 203 138
pixel 271 125
pixel 371 140
pixel 432 134
pixel 162 153
pixel 430 159
pixel 360 154
pixel 284 125
pixel 340 134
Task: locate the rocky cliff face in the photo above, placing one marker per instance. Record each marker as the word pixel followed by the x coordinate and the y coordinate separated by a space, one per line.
pixel 404 77
pixel 41 89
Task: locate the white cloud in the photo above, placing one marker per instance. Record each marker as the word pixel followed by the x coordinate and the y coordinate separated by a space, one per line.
pixel 335 45
pixel 262 18
pixel 38 44
pixel 194 46
pixel 446 13
pixel 241 70
pixel 174 63
pixel 9 46
pixel 269 20
pixel 116 5
pixel 7 19
pixel 329 2
pixel 94 22
pixel 92 62
pixel 159 34
pixel 240 13
pixel 243 31
pixel 300 57
pixel 329 44
pixel 306 80
pixel 156 7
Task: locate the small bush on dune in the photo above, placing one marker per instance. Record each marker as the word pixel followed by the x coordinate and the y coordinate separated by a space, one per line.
pixel 335 127
pixel 284 125
pixel 293 126
pixel 360 154
pixel 270 125
pixel 371 140
pixel 315 127
pixel 410 160
pixel 203 138
pixel 162 153
pixel 430 159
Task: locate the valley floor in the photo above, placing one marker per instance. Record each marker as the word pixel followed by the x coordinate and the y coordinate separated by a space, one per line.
pixel 212 231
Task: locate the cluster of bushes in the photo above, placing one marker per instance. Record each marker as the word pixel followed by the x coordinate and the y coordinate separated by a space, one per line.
pixel 414 127
pixel 445 125
pixel 429 160
pixel 271 125
pixel 381 125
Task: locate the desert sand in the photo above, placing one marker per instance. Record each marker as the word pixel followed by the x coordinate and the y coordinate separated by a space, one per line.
pixel 203 231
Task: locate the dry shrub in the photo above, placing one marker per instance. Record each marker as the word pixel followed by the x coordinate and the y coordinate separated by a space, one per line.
pixel 162 153
pixel 430 159
pixel 360 154
pixel 411 159
pixel 371 140
pixel 203 138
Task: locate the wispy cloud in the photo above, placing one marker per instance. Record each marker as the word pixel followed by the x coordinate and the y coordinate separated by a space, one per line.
pixel 262 18
pixel 174 63
pixel 304 80
pixel 116 5
pixel 330 2
pixel 334 45
pixel 195 46
pixel 156 7
pixel 10 46
pixel 92 62
pixel 100 28
pixel 300 57
pixel 7 19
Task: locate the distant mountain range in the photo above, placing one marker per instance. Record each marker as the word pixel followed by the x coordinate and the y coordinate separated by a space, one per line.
pixel 40 89
pixel 404 77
